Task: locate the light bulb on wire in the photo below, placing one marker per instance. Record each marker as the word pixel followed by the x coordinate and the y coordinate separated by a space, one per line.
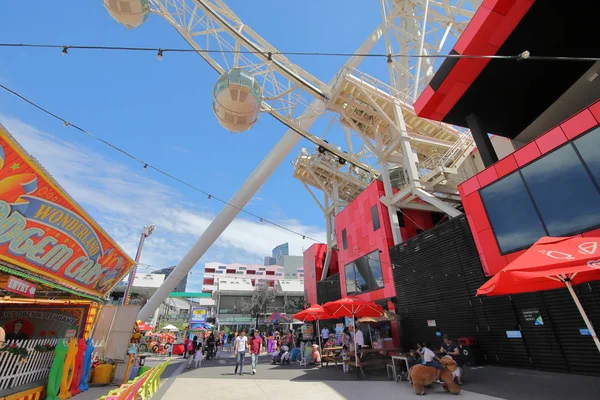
pixel 159 56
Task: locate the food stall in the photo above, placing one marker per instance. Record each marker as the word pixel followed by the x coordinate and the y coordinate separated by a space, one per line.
pixel 56 265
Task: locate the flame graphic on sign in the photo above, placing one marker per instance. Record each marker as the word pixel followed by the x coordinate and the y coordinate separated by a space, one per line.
pixel 15 186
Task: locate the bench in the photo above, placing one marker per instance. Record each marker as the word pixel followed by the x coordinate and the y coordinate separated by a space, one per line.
pixel 326 359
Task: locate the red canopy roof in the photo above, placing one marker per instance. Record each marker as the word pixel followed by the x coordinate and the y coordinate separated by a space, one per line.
pixel 547 265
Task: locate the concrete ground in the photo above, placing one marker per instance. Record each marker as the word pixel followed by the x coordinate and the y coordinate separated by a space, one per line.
pixel 215 379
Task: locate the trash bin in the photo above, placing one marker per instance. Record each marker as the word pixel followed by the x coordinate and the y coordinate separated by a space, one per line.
pixel 102 374
pixel 469 351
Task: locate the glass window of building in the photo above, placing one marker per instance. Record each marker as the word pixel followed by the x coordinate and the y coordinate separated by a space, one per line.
pixel 588 146
pixel 364 274
pixel 375 217
pixel 511 213
pixel 563 192
pixel 344 239
pixel 222 267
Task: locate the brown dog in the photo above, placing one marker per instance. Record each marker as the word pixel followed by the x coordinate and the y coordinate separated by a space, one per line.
pixel 422 376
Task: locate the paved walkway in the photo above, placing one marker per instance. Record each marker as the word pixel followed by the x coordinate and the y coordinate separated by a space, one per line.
pixel 216 379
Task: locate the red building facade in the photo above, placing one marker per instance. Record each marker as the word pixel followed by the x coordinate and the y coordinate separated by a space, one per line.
pixel 502 227
pixel 314 258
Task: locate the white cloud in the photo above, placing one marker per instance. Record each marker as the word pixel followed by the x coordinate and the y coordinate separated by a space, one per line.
pixel 123 199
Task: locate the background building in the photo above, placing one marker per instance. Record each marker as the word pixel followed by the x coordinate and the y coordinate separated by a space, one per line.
pixel 293 265
pixel 144 285
pixel 181 286
pixel 232 292
pixel 230 285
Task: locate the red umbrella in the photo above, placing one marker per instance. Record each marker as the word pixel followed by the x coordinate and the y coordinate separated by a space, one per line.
pixel 314 313
pixel 550 263
pixel 144 327
pixel 349 307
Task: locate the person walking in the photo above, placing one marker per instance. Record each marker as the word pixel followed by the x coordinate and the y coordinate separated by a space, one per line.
pixel 210 346
pixel 255 345
pixel 185 346
pixel 192 346
pixel 324 334
pixel 239 351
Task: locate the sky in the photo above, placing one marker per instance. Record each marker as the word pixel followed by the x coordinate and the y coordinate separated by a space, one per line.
pixel 161 112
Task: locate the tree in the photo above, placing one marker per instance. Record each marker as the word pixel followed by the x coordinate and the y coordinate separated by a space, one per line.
pixel 262 297
pixel 296 303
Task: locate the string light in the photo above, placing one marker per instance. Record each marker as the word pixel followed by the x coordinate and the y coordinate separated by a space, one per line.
pixel 160 54
pixel 148 165
pixel 525 55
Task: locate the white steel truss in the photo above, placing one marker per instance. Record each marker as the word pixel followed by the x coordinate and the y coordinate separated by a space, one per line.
pixel 382 135
pixel 225 42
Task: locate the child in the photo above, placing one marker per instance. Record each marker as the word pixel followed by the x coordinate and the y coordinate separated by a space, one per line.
pixel 198 356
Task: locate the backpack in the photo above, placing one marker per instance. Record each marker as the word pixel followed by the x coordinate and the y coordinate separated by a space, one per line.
pixel 190 346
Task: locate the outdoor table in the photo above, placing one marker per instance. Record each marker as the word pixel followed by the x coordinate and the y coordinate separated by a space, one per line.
pixel 331 352
pixel 399 358
pixel 364 353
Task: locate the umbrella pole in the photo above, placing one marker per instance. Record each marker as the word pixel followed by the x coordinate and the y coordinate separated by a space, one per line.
pixel 355 346
pixel 588 323
pixel 320 346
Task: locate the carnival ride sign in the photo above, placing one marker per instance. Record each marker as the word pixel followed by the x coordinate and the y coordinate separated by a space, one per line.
pixel 43 230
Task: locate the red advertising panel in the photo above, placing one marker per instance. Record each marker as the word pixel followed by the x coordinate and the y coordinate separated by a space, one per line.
pixel 20 286
pixel 43 230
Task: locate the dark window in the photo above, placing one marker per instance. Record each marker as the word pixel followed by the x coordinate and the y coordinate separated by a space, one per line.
pixel 588 146
pixel 436 218
pixel 344 239
pixel 511 213
pixel 554 195
pixel 364 274
pixel 563 192
pixel 401 219
pixel 375 218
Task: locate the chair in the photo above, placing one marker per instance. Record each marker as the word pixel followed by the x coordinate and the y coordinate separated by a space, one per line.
pixel 390 371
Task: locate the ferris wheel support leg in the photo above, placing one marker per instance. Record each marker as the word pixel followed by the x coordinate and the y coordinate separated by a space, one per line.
pixel 224 218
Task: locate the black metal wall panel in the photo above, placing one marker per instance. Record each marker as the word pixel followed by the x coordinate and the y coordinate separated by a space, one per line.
pixel 329 289
pixel 501 319
pixel 540 338
pixel 579 351
pixel 437 274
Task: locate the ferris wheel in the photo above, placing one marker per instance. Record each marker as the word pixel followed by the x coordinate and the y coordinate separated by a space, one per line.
pixel 374 121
